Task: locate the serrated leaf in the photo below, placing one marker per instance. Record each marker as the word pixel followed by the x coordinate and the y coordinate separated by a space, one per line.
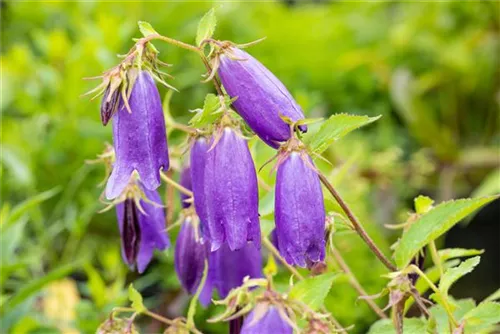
pixel 410 326
pixel 206 26
pixel 146 28
pixel 451 253
pixel 334 128
pixel 423 204
pixel 135 297
pixel 482 317
pixel 313 290
pixel 453 274
pixel 433 224
pixel 440 317
pixel 210 112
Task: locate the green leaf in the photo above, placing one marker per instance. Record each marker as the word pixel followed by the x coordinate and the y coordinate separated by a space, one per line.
pixel 334 128
pixel 313 290
pixel 494 296
pixel 146 28
pixel 423 204
pixel 453 274
pixel 410 326
pixel 206 27
pixel 440 317
pixel 210 112
pixel 433 224
pixel 96 286
pixel 451 253
pixel 135 297
pixel 489 186
pixel 482 317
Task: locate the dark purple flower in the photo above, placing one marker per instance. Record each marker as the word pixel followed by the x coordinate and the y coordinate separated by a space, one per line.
pixel 299 211
pixel 191 252
pixel 141 232
pixel 139 138
pixel 228 268
pixel 231 193
pixel 269 322
pixel 261 97
pixel 198 160
pixel 185 181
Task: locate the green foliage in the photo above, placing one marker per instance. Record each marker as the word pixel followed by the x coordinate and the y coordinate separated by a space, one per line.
pixel 410 326
pixel 433 224
pixel 135 297
pixel 313 291
pixel 206 26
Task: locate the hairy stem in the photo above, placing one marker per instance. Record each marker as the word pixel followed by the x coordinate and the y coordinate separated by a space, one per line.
pixel 355 283
pixel 176 185
pixel 356 224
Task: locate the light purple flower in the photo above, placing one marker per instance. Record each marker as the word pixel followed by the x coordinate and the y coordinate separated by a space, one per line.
pixel 139 138
pixel 299 211
pixel 231 193
pixel 141 233
pixel 261 97
pixel 185 181
pixel 198 160
pixel 191 252
pixel 269 322
pixel 228 268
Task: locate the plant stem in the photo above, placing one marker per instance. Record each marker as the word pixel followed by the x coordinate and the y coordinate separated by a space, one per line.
pixel 158 317
pixel 356 224
pixel 354 282
pixel 435 257
pixel 176 185
pixel 173 42
pixel 268 244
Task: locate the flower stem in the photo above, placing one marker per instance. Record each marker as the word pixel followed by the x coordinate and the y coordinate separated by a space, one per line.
pixel 176 185
pixel 158 317
pixel 173 42
pixel 357 226
pixel 354 282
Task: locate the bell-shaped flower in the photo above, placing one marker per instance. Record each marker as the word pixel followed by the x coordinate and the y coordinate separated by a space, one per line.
pixel 198 159
pixel 265 318
pixel 139 138
pixel 228 268
pixel 261 97
pixel 231 193
pixel 299 210
pixel 191 253
pixel 142 228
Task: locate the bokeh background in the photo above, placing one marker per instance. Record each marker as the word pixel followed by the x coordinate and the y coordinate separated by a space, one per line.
pixel 430 69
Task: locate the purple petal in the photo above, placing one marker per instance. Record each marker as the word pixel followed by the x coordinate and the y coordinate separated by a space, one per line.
pixel 198 161
pixel 232 193
pixel 271 322
pixel 139 138
pixel 261 97
pixel 228 268
pixel 185 181
pixel 299 212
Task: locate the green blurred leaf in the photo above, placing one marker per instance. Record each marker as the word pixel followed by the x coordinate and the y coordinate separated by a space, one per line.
pixel 440 317
pixel 146 28
pixel 135 297
pixel 433 224
pixel 206 26
pixel 489 186
pixel 494 296
pixel 334 128
pixel 410 326
pixel 313 290
pixel 96 286
pixel 451 253
pixel 453 274
pixel 482 317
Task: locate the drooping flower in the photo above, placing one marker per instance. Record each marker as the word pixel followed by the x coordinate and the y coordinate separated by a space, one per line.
pixel 191 253
pixel 228 268
pixel 299 211
pixel 261 97
pixel 142 229
pixel 266 319
pixel 198 159
pixel 139 138
pixel 185 181
pixel 231 193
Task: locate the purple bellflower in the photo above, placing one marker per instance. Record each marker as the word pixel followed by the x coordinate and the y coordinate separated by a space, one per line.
pixel 299 211
pixel 139 138
pixel 231 191
pixel 228 268
pixel 185 181
pixel 261 97
pixel 191 252
pixel 266 319
pixel 142 229
pixel 198 160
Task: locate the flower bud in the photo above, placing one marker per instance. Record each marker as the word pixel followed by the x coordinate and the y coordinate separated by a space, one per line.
pixel 228 268
pixel 266 319
pixel 231 193
pixel 141 232
pixel 109 105
pixel 299 211
pixel 139 138
pixel 191 252
pixel 261 97
pixel 185 181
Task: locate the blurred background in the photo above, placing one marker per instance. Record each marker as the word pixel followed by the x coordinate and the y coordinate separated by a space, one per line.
pixel 430 69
